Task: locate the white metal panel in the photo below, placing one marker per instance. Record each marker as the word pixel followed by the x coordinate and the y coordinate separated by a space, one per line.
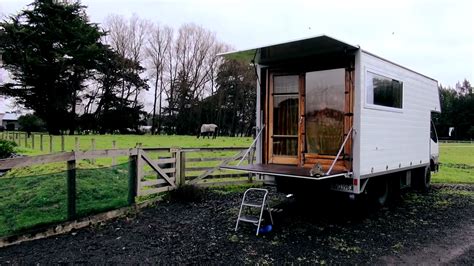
pixel 356 121
pixel 394 139
pixel 432 91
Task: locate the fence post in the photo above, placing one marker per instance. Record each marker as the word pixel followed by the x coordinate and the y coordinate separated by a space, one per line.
pixel 76 144
pixel 32 141
pixel 132 179
pixel 41 142
pixel 180 166
pixel 139 169
pixel 62 143
pixel 93 149
pixel 114 146
pixel 26 140
pixel 50 143
pixel 71 188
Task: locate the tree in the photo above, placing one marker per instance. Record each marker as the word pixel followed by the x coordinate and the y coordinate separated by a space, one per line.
pixel 30 123
pixel 113 111
pixel 49 49
pixel 444 120
pixel 159 44
pixel 464 88
pixel 232 106
pixel 457 110
pixel 128 39
pixel 191 65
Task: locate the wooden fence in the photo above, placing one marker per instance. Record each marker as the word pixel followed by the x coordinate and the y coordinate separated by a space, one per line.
pixel 48 143
pixel 457 141
pixel 147 175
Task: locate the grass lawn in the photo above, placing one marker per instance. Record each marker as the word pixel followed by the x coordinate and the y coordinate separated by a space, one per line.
pixel 35 200
pixel 457 164
pixel 126 141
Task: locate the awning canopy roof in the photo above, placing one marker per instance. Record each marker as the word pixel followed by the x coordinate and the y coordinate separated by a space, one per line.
pixel 292 50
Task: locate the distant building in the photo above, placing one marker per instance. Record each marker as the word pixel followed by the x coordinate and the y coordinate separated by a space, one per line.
pixel 9 121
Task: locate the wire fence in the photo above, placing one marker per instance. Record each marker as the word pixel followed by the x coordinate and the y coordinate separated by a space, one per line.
pixel 31 201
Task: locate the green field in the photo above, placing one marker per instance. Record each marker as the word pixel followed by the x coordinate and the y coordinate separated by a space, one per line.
pixel 457 163
pixel 123 142
pixel 33 196
pixel 31 201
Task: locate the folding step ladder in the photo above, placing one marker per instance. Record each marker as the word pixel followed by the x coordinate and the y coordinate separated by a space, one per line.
pixel 253 193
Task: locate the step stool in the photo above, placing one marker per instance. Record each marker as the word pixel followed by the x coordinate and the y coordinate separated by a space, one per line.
pixel 254 204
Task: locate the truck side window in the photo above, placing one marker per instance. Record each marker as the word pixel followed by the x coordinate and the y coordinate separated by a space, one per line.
pixel 433 134
pixel 384 91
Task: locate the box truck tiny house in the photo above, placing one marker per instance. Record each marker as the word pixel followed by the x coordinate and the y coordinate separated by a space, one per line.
pixel 333 115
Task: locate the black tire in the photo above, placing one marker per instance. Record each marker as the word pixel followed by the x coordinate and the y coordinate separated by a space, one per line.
pixel 422 180
pixel 379 192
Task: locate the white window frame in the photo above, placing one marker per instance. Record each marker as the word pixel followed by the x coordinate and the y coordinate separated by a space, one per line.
pixel 369 83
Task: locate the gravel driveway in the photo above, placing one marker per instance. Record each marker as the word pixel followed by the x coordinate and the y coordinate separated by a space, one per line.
pixel 325 230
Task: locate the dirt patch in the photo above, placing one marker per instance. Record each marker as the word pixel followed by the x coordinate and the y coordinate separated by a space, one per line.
pixel 321 230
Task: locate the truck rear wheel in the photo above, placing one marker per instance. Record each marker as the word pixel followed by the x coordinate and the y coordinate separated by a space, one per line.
pixel 422 180
pixel 379 192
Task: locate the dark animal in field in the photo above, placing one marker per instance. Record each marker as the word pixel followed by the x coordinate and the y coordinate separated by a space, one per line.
pixel 208 130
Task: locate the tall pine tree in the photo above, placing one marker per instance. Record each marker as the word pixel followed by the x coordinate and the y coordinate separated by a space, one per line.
pixel 49 50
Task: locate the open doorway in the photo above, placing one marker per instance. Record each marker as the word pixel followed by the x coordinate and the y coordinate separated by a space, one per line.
pixel 309 115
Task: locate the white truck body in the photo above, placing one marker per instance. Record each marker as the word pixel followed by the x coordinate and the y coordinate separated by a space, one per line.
pixel 388 139
pixel 384 140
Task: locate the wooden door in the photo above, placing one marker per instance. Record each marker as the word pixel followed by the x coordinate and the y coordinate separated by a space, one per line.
pixel 284 119
pixel 327 116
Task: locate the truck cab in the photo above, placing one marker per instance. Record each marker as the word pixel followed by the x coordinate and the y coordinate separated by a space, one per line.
pixel 434 149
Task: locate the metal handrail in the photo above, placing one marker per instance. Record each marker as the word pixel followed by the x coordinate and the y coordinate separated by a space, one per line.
pixel 251 145
pixel 339 152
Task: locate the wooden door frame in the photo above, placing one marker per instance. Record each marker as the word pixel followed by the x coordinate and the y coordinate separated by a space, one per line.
pixel 302 159
pixel 278 159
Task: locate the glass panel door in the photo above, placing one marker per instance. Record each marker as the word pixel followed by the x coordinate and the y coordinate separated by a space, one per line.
pixel 324 111
pixel 284 119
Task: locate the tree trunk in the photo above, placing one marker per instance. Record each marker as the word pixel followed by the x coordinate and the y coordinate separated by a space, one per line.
pixel 153 123
pixel 159 109
pixel 72 123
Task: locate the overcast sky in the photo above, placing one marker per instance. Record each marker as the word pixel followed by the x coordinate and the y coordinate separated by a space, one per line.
pixel 433 37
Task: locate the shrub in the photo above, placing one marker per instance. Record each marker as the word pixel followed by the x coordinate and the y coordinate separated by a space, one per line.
pixel 30 123
pixel 6 148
